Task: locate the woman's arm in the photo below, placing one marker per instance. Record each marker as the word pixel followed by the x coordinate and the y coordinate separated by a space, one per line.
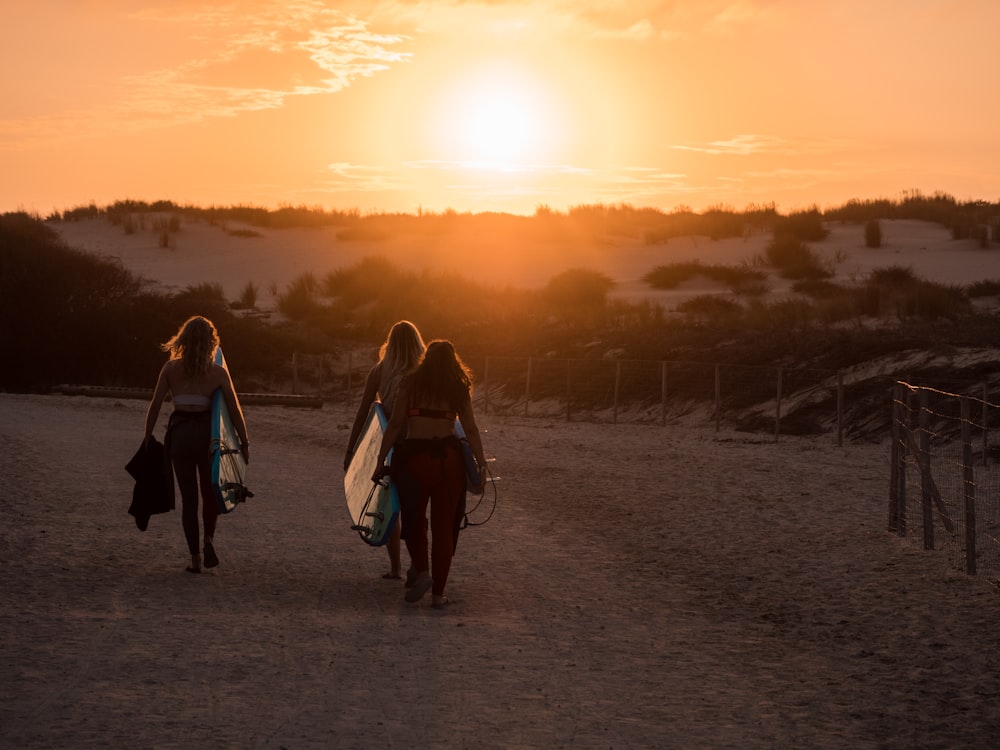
pixel 159 393
pixel 468 419
pixel 367 399
pixel 393 430
pixel 235 411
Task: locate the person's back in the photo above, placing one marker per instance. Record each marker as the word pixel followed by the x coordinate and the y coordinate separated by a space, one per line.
pixel 191 377
pixel 398 356
pixel 428 466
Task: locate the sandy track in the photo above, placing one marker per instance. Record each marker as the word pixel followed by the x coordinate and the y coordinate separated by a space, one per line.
pixel 637 587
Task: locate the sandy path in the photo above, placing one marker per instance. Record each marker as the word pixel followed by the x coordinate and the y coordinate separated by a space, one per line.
pixel 747 597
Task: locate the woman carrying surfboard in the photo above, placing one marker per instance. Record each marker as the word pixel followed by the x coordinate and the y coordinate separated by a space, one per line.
pixel 428 466
pixel 398 356
pixel 191 376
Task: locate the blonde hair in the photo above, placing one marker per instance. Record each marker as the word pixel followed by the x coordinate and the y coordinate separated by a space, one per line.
pixel 194 344
pixel 399 355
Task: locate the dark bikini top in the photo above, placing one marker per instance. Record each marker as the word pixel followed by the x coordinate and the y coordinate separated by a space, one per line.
pixel 417 411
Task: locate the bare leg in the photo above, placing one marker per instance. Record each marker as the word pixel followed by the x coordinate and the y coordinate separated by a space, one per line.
pixel 392 547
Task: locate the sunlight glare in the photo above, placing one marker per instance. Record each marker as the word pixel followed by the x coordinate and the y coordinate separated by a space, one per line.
pixel 500 118
pixel 498 126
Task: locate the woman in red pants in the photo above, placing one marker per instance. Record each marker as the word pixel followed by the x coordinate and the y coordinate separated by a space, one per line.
pixel 428 466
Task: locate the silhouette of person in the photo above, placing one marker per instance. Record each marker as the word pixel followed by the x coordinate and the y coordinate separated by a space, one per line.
pixel 397 357
pixel 428 464
pixel 191 376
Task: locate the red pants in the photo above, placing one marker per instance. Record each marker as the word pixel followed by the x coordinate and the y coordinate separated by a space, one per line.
pixel 430 472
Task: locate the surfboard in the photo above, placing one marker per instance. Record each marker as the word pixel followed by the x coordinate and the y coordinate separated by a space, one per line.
pixel 374 507
pixel 229 470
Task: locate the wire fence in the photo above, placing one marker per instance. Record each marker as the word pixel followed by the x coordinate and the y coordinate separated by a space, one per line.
pixel 944 487
pixel 776 400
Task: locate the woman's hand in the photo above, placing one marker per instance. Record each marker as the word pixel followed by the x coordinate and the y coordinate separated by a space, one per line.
pixel 381 471
pixel 478 489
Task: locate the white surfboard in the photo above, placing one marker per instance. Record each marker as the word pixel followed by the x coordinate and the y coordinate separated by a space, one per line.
pixel 374 507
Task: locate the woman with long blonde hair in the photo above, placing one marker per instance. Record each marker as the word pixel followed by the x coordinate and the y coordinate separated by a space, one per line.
pixel 191 376
pixel 397 357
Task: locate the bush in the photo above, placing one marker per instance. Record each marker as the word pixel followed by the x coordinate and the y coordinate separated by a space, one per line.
pixel 301 300
pixel 670 276
pixel 63 310
pixel 873 234
pixel 803 225
pixel 794 260
pixel 248 297
pixel 985 288
pixel 578 289
pixel 818 288
pixel 711 308
pixel 893 276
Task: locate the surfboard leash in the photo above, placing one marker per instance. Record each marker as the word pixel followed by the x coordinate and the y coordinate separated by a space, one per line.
pixel 364 531
pixel 492 483
pixel 241 493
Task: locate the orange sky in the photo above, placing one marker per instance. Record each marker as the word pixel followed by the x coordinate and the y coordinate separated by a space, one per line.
pixel 497 106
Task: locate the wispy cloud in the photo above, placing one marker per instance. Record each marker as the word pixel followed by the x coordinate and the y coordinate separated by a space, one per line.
pixel 495 166
pixel 755 144
pixel 741 145
pixel 340 47
pixel 249 62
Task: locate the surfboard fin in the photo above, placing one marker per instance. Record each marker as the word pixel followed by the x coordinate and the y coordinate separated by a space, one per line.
pixel 240 492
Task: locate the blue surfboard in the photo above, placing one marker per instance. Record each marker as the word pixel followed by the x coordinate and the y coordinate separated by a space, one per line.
pixel 471 469
pixel 374 507
pixel 229 470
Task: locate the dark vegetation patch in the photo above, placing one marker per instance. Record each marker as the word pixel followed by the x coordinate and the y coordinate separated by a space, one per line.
pixel 75 317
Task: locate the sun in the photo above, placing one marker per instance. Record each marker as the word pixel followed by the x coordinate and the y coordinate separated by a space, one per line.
pixel 499 125
pixel 497 116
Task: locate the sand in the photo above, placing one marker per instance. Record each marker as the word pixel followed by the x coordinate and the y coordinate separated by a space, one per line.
pixel 637 587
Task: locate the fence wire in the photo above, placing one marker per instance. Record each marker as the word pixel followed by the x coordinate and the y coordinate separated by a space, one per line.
pixel 945 478
pixel 753 398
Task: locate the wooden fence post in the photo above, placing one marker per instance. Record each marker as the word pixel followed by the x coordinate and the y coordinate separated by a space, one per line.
pixel 904 441
pixel 970 490
pixel 923 422
pixel 777 407
pixel 840 409
pixel 527 387
pixel 350 369
pixel 663 394
pixel 618 379
pixel 894 516
pixel 486 386
pixel 569 387
pixel 985 425
pixel 718 397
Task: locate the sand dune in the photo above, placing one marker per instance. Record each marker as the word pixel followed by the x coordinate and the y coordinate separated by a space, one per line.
pixel 207 253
